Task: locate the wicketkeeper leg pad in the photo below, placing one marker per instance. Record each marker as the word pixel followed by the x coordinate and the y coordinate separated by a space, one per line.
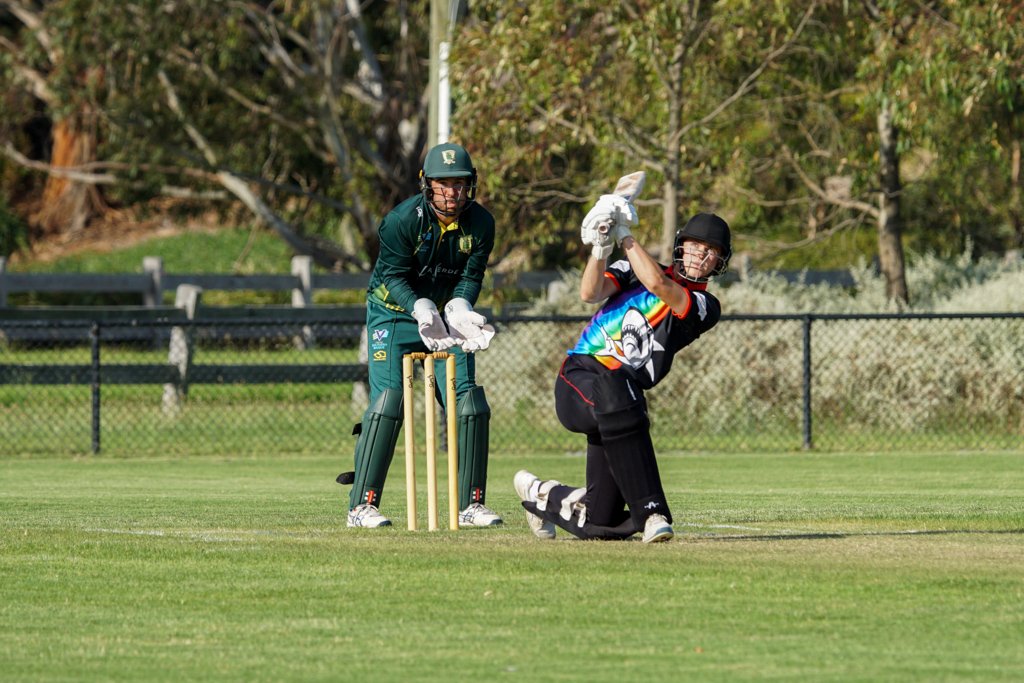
pixel 376 447
pixel 474 419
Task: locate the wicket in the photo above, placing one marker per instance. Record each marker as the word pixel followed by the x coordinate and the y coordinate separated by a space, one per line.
pixel 429 382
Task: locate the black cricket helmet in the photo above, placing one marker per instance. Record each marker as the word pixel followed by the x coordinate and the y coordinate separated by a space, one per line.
pixel 710 229
pixel 448 160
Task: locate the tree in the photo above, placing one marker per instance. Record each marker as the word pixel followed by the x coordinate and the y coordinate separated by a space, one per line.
pixel 967 81
pixel 65 204
pixel 302 111
pixel 943 83
pixel 576 93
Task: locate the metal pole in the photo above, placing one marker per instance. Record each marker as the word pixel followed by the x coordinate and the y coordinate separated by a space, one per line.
pixel 808 439
pixel 94 342
pixel 438 35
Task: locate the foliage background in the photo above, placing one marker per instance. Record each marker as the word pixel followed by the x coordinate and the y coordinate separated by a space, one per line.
pixel 310 116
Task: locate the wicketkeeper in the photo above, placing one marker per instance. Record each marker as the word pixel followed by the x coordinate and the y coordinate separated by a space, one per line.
pixel 650 312
pixel 434 248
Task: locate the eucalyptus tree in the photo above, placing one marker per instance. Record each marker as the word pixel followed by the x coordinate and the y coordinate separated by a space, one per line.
pixel 569 95
pixel 965 91
pixel 309 113
pixel 914 103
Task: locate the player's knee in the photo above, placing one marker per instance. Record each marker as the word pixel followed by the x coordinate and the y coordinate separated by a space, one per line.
pixel 620 405
pixel 388 404
pixel 473 403
pixel 384 414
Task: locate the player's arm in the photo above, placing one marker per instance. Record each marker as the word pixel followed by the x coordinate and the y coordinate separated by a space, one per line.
pixel 598 229
pixel 595 286
pixel 396 261
pixel 651 276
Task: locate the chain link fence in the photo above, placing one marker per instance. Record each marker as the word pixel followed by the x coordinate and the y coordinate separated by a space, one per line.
pixel 754 383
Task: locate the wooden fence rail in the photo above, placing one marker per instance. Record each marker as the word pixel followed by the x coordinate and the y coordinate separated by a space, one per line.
pixel 153 282
pixel 178 327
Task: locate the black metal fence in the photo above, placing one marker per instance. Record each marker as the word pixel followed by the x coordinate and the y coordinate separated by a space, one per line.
pixel 754 383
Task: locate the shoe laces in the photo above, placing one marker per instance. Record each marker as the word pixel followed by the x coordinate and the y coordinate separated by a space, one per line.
pixel 475 509
pixel 364 510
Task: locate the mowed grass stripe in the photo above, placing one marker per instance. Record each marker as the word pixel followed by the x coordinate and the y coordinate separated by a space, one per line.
pixel 786 566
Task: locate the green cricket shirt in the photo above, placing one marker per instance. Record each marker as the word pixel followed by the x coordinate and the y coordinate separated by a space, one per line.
pixel 420 260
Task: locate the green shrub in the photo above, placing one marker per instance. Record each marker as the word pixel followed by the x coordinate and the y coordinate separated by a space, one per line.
pixel 13 232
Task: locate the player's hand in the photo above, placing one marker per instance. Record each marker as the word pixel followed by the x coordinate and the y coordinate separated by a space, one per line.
pixel 595 232
pixel 607 223
pixel 469 328
pixel 622 229
pixel 432 330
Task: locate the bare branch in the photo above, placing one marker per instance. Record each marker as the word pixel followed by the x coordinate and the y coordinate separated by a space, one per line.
pixel 371 77
pixel 36 80
pixel 33 23
pixel 81 174
pixel 239 187
pixel 820 192
pixel 187 59
pixel 624 144
pixel 751 78
pixel 175 106
pixel 765 247
pixel 758 200
pixel 58 171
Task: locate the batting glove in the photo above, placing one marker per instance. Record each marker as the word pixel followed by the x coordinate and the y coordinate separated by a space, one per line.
pixel 607 224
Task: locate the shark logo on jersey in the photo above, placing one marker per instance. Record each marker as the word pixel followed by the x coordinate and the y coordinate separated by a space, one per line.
pixel 636 344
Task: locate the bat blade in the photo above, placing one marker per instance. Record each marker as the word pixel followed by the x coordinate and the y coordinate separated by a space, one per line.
pixel 630 186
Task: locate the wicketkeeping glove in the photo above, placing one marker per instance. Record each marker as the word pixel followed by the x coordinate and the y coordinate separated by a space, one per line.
pixel 432 330
pixel 469 328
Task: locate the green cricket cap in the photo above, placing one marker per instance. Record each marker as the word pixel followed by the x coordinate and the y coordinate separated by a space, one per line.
pixel 447 160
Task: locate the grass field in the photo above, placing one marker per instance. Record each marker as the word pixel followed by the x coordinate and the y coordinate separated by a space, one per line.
pixel 846 567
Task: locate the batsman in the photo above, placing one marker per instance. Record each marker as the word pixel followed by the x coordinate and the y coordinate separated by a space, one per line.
pixel 649 312
pixel 434 248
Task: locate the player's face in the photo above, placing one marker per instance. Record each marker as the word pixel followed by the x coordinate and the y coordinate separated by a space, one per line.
pixel 699 259
pixel 448 195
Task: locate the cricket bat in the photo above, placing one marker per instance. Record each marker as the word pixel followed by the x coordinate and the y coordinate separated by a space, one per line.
pixel 630 186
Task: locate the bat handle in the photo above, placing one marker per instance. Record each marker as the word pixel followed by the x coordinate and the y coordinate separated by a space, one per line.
pixel 605 228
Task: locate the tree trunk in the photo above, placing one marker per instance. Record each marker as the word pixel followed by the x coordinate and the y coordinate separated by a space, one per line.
pixel 673 159
pixel 67 206
pixel 670 211
pixel 890 240
pixel 1016 208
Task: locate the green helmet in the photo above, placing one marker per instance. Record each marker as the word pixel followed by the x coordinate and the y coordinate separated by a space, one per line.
pixel 448 160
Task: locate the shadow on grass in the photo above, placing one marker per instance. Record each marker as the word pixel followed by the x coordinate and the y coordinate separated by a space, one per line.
pixel 850 534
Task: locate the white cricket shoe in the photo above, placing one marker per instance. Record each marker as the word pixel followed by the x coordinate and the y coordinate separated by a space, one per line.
pixel 524 484
pixel 657 529
pixel 479 514
pixel 367 516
